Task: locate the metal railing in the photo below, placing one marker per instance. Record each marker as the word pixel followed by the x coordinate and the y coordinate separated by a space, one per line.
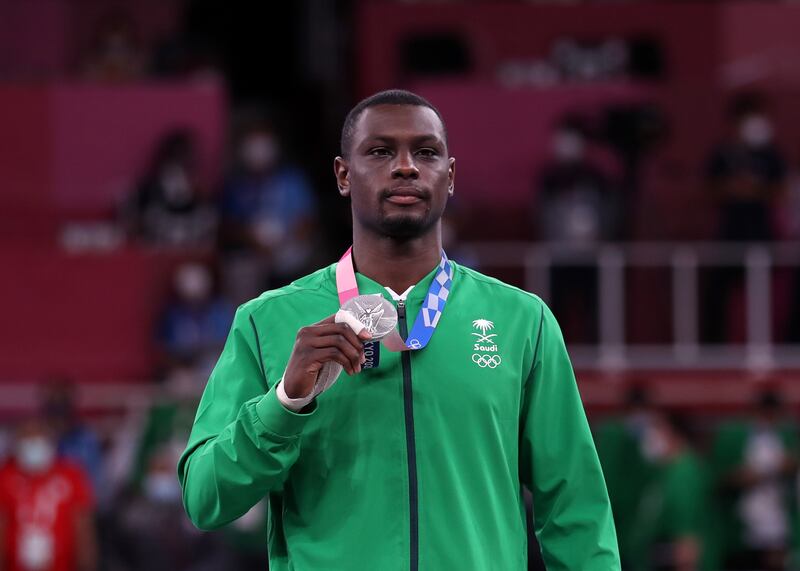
pixel 684 261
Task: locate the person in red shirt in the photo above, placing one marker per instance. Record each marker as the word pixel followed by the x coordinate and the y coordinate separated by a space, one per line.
pixel 46 508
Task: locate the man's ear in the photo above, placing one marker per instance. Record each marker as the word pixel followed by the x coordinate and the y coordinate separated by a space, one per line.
pixel 342 171
pixel 451 175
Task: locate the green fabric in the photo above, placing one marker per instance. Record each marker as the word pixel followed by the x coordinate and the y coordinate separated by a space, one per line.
pixel 674 505
pixel 627 474
pixel 165 421
pixel 337 477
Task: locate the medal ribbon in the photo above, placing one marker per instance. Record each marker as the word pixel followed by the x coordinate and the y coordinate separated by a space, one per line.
pixel 431 310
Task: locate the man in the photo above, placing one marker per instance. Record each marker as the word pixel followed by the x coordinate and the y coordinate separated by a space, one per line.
pixel 418 462
pixel 755 465
pixel 745 174
pixel 670 527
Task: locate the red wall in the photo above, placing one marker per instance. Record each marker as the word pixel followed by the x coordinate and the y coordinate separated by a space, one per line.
pixel 73 150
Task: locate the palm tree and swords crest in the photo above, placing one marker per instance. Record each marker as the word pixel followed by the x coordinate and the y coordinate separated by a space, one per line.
pixel 484 325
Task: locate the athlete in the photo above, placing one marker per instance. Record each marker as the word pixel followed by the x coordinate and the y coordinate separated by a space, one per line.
pixel 416 459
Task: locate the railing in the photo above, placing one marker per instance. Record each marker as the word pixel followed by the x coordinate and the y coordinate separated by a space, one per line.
pixel 760 353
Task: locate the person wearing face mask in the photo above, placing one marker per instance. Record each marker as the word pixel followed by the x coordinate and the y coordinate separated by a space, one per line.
pixel 755 462
pixel 576 208
pixel 168 208
pixel 195 322
pixel 268 213
pixel 151 530
pixel 745 174
pixel 46 508
pixel 671 524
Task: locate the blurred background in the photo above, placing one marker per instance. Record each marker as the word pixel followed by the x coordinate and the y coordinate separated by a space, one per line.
pixel 635 163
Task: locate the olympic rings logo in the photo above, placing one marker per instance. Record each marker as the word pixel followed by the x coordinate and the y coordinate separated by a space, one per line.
pixel 484 361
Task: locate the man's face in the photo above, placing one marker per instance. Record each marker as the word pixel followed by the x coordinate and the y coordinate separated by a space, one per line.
pixel 398 175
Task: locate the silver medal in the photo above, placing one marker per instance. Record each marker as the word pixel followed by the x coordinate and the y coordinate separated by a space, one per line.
pixel 374 312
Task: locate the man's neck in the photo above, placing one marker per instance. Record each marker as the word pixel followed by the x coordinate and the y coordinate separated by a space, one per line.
pixel 396 264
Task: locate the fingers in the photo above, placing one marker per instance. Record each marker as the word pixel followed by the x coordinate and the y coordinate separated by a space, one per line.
pixel 340 329
pixel 363 334
pixel 326 354
pixel 343 345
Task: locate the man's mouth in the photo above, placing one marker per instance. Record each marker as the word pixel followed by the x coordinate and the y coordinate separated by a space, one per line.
pixel 405 195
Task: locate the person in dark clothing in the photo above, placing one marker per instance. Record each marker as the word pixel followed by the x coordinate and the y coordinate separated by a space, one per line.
pixel 575 208
pixel 744 173
pixel 168 207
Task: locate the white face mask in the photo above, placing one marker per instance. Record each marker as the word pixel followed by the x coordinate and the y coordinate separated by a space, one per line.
pixel 654 445
pixel 193 282
pixel 259 152
pixel 756 131
pixel 568 146
pixel 35 454
pixel 176 186
pixel 162 487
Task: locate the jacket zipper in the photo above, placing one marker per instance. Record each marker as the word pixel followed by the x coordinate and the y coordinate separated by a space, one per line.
pixel 411 450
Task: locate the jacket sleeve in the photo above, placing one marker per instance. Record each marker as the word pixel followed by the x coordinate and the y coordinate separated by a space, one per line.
pixel 559 464
pixel 243 441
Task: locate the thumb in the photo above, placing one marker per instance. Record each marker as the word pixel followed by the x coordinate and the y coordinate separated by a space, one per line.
pixel 358 328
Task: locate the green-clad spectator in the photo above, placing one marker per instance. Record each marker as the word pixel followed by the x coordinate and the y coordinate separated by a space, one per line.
pixel 168 420
pixel 755 463
pixel 619 446
pixel 669 531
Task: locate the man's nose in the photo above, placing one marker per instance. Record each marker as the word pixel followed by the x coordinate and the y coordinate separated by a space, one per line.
pixel 404 166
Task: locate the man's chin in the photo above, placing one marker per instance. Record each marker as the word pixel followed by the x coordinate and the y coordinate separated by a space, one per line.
pixel 403 227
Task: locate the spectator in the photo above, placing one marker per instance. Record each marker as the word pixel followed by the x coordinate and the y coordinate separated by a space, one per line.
pixel 75 440
pixel 168 207
pixel 619 443
pixel 167 421
pixel 745 173
pixel 151 531
pixel 670 527
pixel 46 512
pixel 115 54
pixel 755 464
pixel 194 324
pixel 576 209
pixel 269 211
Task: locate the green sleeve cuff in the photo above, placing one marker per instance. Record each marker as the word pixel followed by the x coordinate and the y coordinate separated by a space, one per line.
pixel 278 419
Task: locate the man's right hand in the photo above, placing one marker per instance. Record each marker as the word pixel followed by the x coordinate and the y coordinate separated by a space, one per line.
pixel 317 344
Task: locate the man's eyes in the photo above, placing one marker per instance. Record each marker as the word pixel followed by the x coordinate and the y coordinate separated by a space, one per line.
pixel 384 152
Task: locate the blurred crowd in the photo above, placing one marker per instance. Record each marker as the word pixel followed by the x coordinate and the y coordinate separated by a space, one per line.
pixel 585 195
pixel 692 495
pixel 73 498
pixel 689 493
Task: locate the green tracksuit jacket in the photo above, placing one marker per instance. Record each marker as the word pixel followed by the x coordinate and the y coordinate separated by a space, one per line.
pixel 416 464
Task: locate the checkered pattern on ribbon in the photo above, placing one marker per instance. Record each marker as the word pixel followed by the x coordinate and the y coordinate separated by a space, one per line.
pixel 432 307
pixel 437 294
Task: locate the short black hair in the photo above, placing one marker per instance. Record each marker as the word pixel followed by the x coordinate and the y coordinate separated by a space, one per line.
pixel 388 97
